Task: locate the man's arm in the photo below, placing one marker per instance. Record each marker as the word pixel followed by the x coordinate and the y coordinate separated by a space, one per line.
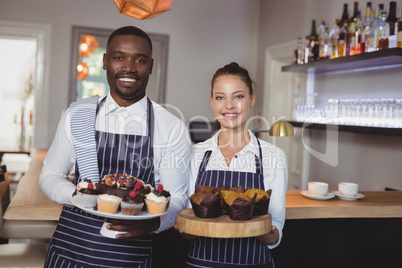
pixel 57 163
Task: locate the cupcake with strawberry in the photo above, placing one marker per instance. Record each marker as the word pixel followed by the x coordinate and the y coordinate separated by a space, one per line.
pixel 87 193
pixel 132 204
pixel 157 201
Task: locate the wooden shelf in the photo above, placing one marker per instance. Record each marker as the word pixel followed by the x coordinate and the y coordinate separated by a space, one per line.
pixel 382 58
pixel 347 128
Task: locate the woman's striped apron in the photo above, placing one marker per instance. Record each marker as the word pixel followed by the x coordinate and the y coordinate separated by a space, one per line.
pixel 77 241
pixel 235 252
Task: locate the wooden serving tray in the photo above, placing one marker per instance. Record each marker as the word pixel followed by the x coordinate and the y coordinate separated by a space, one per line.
pixel 223 226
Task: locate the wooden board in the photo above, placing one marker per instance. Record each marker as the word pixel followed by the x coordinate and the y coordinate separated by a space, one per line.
pixel 223 226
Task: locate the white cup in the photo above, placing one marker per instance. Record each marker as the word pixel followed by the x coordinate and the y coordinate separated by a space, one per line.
pixel 317 188
pixel 348 188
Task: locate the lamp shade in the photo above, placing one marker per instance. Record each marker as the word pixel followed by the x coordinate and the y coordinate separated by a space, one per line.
pixel 87 46
pixel 143 9
pixel 83 71
pixel 281 128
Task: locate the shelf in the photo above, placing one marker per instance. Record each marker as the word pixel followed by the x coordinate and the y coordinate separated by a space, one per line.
pixel 355 129
pixel 383 58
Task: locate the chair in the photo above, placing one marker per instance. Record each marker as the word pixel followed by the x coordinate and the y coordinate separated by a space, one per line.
pixel 17 254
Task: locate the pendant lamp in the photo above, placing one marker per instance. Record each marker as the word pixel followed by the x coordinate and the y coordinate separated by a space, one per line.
pixel 87 46
pixel 83 71
pixel 143 9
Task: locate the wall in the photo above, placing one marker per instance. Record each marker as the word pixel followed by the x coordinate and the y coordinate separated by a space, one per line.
pixel 372 161
pixel 204 35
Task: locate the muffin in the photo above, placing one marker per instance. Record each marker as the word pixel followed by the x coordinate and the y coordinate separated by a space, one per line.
pixel 87 194
pixel 156 202
pixel 239 206
pixel 108 203
pixel 206 202
pixel 261 201
pixel 132 204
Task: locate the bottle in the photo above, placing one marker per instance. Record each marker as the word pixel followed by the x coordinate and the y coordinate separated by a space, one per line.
pixel 314 44
pixel 334 37
pixel 383 32
pixel 365 35
pixel 307 49
pixel 325 46
pixel 399 35
pixel 392 19
pixel 343 44
pixel 356 44
pixel 355 12
pixel 345 15
pixel 373 39
pixel 299 51
pixel 321 30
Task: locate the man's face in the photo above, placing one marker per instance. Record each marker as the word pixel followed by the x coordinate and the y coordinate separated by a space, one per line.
pixel 128 63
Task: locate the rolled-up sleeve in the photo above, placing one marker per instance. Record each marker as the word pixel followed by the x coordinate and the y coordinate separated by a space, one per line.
pixel 173 173
pixel 56 165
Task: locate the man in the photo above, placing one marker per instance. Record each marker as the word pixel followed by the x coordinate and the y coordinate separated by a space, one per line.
pixel 123 132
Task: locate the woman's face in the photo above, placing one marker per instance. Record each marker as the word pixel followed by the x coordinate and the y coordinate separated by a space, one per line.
pixel 231 101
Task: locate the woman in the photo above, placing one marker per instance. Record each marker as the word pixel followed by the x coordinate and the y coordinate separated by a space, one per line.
pixel 235 157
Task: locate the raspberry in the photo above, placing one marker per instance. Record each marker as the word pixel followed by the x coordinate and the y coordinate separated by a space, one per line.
pixel 138 185
pixel 160 188
pixel 122 181
pixel 90 185
pixel 132 194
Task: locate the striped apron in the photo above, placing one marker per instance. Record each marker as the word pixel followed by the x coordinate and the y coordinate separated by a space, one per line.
pixel 77 241
pixel 234 252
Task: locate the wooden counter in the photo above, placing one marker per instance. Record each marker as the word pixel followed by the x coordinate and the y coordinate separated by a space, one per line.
pixel 375 204
pixel 29 202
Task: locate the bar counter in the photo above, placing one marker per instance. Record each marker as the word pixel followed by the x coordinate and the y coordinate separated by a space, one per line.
pixel 30 207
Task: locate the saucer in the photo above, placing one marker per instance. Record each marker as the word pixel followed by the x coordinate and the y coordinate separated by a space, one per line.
pixel 347 197
pixel 326 196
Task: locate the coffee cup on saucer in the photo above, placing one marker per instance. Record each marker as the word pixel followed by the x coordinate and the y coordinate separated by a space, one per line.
pixel 348 188
pixel 317 188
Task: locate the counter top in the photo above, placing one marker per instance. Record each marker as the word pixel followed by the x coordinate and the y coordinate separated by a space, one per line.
pixel 29 202
pixel 375 204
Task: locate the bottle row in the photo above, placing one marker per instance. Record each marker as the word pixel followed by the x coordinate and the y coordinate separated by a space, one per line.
pixel 351 35
pixel 358 112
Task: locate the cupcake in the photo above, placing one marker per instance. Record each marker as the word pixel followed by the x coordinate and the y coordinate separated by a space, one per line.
pixel 156 202
pixel 87 194
pixel 132 204
pixel 206 202
pixel 108 203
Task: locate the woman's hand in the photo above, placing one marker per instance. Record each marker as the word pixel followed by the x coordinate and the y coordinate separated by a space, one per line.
pixel 134 229
pixel 270 238
pixel 185 235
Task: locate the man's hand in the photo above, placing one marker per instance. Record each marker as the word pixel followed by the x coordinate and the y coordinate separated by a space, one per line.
pixel 134 229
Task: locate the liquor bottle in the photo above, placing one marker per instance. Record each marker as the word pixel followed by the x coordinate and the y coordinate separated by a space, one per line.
pixel 356 44
pixel 345 15
pixel 399 35
pixel 365 35
pixel 392 19
pixel 383 32
pixel 343 44
pixel 373 39
pixel 355 12
pixel 299 51
pixel 325 46
pixel 321 30
pixel 307 49
pixel 314 44
pixel 334 37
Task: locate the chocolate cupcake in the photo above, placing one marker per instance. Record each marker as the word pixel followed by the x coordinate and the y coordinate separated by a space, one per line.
pixel 262 199
pixel 239 206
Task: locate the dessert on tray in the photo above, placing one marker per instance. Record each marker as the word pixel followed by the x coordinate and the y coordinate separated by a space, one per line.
pixel 122 192
pixel 237 202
